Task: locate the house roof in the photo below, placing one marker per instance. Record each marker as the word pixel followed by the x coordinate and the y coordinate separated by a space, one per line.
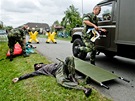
pixel 39 25
pixel 58 27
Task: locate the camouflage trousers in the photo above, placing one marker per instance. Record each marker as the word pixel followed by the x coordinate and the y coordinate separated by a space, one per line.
pixel 89 47
pixel 65 73
pixel 12 40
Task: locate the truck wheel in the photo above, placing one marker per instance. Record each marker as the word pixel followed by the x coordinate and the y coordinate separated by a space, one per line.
pixel 81 55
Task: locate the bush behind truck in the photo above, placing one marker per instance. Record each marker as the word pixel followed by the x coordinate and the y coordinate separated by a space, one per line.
pixel 118 18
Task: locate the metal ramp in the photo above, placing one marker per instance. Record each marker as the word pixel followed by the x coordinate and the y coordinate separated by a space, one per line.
pixel 97 74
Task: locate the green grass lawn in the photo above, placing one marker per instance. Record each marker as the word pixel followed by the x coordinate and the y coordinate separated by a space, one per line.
pixel 40 88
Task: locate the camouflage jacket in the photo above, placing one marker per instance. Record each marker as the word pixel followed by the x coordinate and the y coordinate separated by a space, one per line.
pixel 92 18
pixel 18 33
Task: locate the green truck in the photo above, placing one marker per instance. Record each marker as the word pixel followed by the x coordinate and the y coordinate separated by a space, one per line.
pixel 118 18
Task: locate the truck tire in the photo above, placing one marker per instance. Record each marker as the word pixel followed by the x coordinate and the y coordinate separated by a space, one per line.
pixel 81 55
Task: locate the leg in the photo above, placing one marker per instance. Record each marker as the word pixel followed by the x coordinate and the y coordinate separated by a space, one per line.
pixel 68 84
pixel 65 76
pixel 87 47
pixel 11 43
pixel 23 46
pixel 93 53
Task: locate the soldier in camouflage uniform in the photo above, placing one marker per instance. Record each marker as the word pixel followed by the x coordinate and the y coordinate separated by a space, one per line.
pixel 17 35
pixel 90 21
pixel 64 72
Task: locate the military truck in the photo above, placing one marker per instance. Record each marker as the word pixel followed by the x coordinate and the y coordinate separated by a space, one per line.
pixel 118 18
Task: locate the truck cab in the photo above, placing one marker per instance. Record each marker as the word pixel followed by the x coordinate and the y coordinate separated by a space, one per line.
pixel 107 21
pixel 115 17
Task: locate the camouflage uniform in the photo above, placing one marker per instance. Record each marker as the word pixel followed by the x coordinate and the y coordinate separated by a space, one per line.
pixel 89 45
pixel 14 36
pixel 64 73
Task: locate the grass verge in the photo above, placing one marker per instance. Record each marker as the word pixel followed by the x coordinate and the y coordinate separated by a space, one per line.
pixel 40 88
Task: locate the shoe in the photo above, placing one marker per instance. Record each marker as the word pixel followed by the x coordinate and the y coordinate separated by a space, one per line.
pixel 87 92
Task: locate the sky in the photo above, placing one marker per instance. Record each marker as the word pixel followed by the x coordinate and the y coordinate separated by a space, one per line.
pixel 18 12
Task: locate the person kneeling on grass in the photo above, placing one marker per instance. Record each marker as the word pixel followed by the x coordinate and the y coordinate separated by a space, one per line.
pixel 64 72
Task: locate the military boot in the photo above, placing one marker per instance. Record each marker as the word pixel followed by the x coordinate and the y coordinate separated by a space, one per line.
pixel 11 57
pixel 92 62
pixel 87 92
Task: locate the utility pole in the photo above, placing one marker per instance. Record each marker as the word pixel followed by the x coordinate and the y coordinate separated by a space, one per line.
pixel 82 7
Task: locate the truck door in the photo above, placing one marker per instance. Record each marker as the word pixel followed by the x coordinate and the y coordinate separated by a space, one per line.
pixel 107 20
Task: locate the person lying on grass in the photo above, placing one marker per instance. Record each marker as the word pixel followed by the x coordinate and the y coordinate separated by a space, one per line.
pixel 64 72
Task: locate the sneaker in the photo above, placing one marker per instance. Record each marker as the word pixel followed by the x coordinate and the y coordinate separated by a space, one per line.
pixel 87 92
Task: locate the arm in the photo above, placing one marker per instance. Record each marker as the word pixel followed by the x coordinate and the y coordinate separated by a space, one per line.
pixel 87 22
pixel 36 73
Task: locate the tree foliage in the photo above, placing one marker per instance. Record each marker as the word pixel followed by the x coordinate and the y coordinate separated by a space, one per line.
pixel 71 18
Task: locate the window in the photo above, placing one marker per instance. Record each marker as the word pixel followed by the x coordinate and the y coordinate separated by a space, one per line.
pixel 105 13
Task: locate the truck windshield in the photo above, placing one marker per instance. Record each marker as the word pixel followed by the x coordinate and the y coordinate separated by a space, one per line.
pixel 105 13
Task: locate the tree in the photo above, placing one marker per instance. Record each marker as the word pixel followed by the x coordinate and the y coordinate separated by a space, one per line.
pixel 1 24
pixel 8 28
pixel 56 22
pixel 71 18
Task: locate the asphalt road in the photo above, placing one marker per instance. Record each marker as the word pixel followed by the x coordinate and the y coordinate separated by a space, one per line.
pixel 119 89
